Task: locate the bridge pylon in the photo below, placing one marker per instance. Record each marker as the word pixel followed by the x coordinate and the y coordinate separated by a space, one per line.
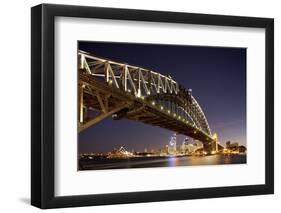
pixel 212 147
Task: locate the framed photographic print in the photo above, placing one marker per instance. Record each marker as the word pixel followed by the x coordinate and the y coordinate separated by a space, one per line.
pixel 140 106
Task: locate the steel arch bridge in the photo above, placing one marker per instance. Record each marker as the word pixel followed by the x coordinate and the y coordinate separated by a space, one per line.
pixel 110 88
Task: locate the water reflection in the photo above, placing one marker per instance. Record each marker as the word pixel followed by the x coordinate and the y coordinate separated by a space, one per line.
pixel 172 161
pixel 169 161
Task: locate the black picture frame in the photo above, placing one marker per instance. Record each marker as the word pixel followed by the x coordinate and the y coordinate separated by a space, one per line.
pixel 43 117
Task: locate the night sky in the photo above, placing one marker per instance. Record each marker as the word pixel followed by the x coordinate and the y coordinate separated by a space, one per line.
pixel 216 75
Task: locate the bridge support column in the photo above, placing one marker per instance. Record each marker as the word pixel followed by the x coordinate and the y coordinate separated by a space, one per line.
pixel 211 147
pixel 81 103
pixel 217 147
pixel 208 147
pixel 215 136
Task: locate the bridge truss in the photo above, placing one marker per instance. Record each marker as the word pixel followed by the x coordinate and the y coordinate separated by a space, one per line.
pixel 110 88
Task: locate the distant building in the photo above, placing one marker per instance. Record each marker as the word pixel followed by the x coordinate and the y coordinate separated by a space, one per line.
pixel 242 149
pixel 230 145
pixel 183 148
pixel 164 151
pixel 120 153
pixel 235 147
pixel 227 144
pixel 172 149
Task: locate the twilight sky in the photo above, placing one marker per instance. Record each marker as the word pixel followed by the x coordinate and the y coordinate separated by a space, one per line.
pixel 216 75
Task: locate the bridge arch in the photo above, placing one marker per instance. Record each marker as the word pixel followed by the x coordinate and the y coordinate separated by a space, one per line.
pixel 122 90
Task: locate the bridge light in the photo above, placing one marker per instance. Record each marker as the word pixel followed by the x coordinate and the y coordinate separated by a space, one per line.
pixel 174 115
pixel 153 103
pixel 161 107
pixel 215 136
pixel 110 82
pixel 142 97
pixel 129 90
pixel 194 132
pixel 179 117
pixel 169 111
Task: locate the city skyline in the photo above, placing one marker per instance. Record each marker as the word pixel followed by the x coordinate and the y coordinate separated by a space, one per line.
pixel 216 75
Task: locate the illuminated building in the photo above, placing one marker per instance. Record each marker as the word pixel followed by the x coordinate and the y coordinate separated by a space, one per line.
pixel 172 149
pixel 120 153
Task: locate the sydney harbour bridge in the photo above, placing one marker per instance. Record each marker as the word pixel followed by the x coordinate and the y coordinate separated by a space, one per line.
pixel 111 88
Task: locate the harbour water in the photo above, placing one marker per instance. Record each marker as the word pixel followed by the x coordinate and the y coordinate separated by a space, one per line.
pixel 167 161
